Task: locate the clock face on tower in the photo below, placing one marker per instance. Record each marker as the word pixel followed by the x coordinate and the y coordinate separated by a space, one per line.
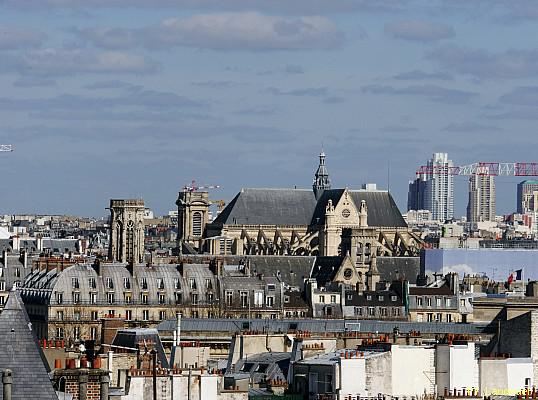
pixel 346 213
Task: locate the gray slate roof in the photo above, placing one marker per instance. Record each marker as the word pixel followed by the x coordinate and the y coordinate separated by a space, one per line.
pixel 299 207
pixel 20 353
pixel 316 325
pixel 269 207
pixel 408 268
pixel 382 210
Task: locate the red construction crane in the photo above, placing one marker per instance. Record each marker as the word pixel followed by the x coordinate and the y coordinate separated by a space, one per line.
pixel 483 168
pixel 193 187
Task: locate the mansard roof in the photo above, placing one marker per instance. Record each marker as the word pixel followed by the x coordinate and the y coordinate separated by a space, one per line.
pixel 299 207
pixel 269 207
pixel 20 353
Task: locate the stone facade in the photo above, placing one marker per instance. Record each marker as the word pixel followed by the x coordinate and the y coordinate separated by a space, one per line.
pixel 126 231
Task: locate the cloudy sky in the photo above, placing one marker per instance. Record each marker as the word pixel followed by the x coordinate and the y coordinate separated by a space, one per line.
pixel 135 98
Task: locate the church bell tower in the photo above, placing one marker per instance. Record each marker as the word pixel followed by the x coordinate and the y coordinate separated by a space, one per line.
pixel 321 179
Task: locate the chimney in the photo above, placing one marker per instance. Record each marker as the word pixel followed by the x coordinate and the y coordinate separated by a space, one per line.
pixel 7 382
pixel 105 384
pixel 83 385
pixel 39 243
pixel 16 243
pixel 24 258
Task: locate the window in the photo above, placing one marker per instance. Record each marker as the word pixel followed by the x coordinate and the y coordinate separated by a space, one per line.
pixel 194 299
pixel 420 317
pixel 333 298
pixel 1 272
pixel 271 286
pixel 229 296
pixel 128 298
pixel 162 298
pixel 144 298
pixel 109 283
pixel 195 314
pixel 177 283
pixel 59 297
pixel 17 273
pixel 438 302
pixel 162 315
pixel 93 333
pixel 160 283
pixel 76 315
pixel 429 301
pixel 76 297
pixel 126 283
pixel 128 315
pixel 76 332
pixel 358 311
pixel 192 283
pixel 144 284
pixel 111 313
pixel 439 317
pixel 59 333
pixel 145 315
pixel 258 299
pixel 368 297
pixel 269 301
pixel 383 311
pixel 208 284
pixel 2 285
pixel 110 298
pixel 2 300
pixel 429 317
pixel 60 315
pixel 395 311
pixel 462 302
pixel 197 224
pixel 94 315
pixel 322 299
pixel 449 318
pixel 209 298
pixel 243 297
pixel 92 283
pixel 381 298
pixel 371 311
pixel 419 301
pixel 178 297
pixel 394 298
pixel 328 311
pixel 350 297
pixel 448 302
pixel 286 299
pixel 74 283
pixel 93 298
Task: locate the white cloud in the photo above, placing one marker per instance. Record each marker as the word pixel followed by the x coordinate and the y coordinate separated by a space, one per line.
pixel 249 31
pixel 57 62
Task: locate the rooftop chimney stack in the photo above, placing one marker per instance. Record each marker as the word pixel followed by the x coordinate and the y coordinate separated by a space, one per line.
pixel 7 382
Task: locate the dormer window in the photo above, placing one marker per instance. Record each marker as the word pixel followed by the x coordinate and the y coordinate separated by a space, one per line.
pixel 126 283
pixel 160 283
pixel 109 283
pixel 192 283
pixel 368 297
pixel 74 283
pixel 177 283
pixel 91 283
pixel 144 284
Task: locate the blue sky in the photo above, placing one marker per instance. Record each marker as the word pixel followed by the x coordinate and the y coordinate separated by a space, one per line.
pixel 135 98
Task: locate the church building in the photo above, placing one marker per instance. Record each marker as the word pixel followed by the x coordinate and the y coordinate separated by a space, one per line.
pixel 318 221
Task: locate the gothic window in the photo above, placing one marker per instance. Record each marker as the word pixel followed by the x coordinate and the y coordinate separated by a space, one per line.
pixel 129 242
pixel 197 224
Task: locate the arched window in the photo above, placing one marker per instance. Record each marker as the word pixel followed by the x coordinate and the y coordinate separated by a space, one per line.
pixel 197 224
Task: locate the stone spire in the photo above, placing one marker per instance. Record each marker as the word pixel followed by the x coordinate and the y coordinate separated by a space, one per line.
pixel 321 180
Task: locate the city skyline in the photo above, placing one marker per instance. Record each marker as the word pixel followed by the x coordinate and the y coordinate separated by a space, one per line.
pixel 129 101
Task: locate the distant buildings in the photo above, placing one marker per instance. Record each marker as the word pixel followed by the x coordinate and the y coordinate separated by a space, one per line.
pixel 526 196
pixel 481 205
pixel 434 190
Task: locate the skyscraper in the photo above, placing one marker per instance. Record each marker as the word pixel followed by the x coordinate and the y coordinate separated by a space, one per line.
pixel 481 205
pixel 415 196
pixel 439 187
pixel 525 197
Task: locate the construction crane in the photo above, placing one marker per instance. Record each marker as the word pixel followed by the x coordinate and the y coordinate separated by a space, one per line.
pixel 220 204
pixel 483 169
pixel 6 148
pixel 194 187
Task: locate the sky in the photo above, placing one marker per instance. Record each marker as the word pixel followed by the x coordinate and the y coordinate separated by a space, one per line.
pixel 135 98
